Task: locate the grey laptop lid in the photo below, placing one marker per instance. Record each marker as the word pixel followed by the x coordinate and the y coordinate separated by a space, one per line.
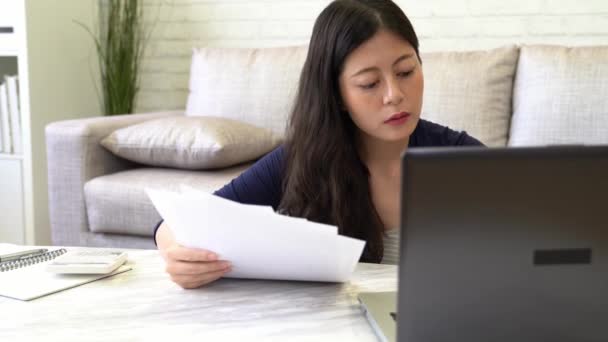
pixel 504 245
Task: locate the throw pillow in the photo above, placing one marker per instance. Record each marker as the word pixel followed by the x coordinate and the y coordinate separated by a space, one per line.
pixel 252 85
pixel 471 91
pixel 191 142
pixel 560 96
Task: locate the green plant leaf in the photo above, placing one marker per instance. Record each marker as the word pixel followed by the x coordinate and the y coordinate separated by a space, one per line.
pixel 120 43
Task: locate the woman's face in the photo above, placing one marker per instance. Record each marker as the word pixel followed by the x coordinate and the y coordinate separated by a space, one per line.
pixel 382 86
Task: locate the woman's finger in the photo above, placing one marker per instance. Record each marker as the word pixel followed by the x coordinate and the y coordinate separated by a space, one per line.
pixel 182 253
pixel 195 268
pixel 190 282
pixel 213 276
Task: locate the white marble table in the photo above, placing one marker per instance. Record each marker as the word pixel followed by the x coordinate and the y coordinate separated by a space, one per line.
pixel 143 304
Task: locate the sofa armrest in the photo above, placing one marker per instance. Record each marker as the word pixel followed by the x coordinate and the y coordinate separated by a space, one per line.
pixel 74 156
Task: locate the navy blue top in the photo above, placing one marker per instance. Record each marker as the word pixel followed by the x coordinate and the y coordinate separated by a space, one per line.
pixel 262 183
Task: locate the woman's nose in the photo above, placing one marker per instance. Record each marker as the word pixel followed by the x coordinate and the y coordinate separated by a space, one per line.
pixel 394 94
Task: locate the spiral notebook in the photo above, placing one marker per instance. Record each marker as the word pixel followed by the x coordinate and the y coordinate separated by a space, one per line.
pixel 26 279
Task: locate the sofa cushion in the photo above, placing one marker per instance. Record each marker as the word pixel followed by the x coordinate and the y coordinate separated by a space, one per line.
pixel 471 91
pixel 257 86
pixel 117 203
pixel 560 96
pixel 191 142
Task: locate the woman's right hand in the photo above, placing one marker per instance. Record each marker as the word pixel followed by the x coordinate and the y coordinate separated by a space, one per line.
pixel 191 268
pixel 188 267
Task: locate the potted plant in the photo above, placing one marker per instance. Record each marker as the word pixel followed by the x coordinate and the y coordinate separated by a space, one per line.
pixel 120 43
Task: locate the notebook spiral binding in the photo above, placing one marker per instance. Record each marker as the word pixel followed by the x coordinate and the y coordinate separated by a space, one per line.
pixel 15 264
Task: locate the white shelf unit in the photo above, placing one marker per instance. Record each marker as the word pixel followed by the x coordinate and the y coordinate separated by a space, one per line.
pixel 12 196
pixel 54 59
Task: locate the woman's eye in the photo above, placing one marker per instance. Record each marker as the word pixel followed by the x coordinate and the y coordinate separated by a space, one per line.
pixel 405 73
pixel 369 85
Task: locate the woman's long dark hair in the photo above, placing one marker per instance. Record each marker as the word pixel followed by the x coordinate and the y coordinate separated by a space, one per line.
pixel 325 179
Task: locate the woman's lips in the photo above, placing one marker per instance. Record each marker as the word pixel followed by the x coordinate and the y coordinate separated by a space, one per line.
pixel 398 119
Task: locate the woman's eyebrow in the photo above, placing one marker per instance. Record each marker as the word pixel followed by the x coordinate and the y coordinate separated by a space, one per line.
pixel 402 58
pixel 368 69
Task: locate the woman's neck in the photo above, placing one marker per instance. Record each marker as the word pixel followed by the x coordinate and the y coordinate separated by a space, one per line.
pixel 381 155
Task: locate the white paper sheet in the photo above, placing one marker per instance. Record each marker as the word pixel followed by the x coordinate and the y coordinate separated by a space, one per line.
pixel 259 243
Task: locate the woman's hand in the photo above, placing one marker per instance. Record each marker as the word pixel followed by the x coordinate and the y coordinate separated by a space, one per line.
pixel 191 268
pixel 188 267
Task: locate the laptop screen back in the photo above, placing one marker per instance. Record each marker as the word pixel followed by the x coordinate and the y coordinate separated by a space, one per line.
pixel 504 245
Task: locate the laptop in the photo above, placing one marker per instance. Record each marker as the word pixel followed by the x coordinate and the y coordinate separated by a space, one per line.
pixel 500 244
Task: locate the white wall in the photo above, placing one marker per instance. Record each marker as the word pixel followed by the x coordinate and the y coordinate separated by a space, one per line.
pixel 440 24
pixel 60 85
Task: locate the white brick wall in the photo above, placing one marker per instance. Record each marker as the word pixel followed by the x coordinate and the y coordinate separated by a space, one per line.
pixel 440 24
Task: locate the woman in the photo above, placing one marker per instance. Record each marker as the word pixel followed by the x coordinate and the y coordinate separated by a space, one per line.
pixel 357 110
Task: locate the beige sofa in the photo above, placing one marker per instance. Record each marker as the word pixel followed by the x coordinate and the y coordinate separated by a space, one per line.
pixel 511 96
